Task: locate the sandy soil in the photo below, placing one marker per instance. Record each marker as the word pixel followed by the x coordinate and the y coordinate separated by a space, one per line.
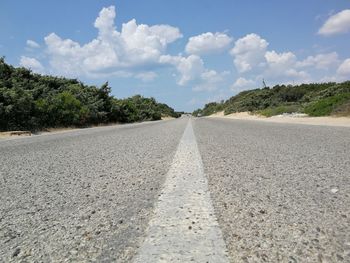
pixel 167 118
pixel 4 136
pixel 14 134
pixel 329 121
pixel 8 135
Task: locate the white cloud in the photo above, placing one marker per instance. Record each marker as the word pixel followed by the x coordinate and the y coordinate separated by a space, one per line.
pixel 210 80
pixel 253 61
pixel 212 75
pixel 344 69
pixel 105 21
pixel 138 50
pixel 249 52
pixel 146 76
pixel 32 44
pixel 281 67
pixel 134 47
pixel 32 64
pixel 166 33
pixel 320 61
pixel 285 59
pixel 342 73
pixel 243 84
pixel 208 43
pixel 252 58
pixel 279 63
pixel 336 24
pixel 190 68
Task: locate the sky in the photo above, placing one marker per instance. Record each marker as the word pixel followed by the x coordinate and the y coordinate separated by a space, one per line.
pixel 186 52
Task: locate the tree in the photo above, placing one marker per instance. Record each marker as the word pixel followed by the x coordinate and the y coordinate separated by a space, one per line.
pixel 32 101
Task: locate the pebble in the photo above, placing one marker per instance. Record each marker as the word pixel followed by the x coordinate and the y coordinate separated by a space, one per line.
pixel 334 190
pixel 16 253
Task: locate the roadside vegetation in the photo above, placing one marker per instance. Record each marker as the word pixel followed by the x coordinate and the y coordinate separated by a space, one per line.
pixel 317 99
pixel 31 101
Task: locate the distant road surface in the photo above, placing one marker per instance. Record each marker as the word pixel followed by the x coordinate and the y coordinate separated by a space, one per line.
pixel 185 190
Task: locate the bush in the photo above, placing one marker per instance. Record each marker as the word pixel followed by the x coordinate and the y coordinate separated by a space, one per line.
pixel 316 99
pixel 30 101
pixel 268 112
pixel 327 105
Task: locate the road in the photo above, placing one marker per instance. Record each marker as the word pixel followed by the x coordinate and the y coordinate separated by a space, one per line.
pixel 281 192
pixel 260 192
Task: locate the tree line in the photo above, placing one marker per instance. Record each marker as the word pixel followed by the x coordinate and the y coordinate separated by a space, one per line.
pixel 315 99
pixel 30 101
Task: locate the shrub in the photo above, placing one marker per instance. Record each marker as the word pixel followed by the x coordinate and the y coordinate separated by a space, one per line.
pixel 268 112
pixel 317 99
pixel 327 105
pixel 30 101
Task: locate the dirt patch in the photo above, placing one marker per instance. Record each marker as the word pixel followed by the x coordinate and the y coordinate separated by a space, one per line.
pixel 296 119
pixel 165 118
pixel 14 134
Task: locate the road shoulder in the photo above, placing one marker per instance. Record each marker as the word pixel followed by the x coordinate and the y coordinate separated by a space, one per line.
pixel 324 121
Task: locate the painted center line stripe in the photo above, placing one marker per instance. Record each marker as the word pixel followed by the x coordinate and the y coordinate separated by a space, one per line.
pixel 184 227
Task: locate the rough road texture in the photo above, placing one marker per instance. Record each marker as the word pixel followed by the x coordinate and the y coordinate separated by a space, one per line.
pixel 184 227
pixel 281 192
pixel 84 195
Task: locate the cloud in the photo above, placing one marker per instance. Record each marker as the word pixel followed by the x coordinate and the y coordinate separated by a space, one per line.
pixel 147 76
pixel 32 64
pixel 248 52
pixel 192 69
pixel 32 44
pixel 342 73
pixel 282 67
pixel 189 67
pixel 254 62
pixel 344 69
pixel 139 50
pixel 243 84
pixel 208 43
pixel 285 59
pixel 133 48
pixel 135 51
pixel 279 63
pixel 210 80
pixel 336 24
pixel 320 61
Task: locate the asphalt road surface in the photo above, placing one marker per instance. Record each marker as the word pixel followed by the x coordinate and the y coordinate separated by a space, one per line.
pixel 269 192
pixel 281 192
pixel 84 195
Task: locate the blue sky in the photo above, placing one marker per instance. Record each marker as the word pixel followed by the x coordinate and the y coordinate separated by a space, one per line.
pixel 184 53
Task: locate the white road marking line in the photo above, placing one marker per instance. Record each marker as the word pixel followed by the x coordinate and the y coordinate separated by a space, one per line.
pixel 184 227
